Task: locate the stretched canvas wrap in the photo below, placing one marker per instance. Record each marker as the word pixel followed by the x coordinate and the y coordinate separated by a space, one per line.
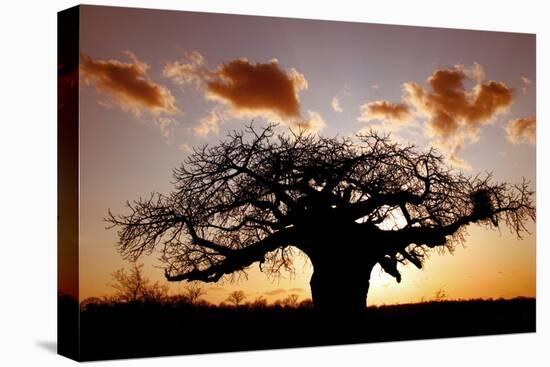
pixel 231 182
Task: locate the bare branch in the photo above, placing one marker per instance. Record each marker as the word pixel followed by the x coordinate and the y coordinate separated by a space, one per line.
pixel 252 196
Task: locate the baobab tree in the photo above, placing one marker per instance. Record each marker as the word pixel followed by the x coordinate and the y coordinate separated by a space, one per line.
pixel 347 203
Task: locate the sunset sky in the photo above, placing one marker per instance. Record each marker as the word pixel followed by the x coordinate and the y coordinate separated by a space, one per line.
pixel 154 84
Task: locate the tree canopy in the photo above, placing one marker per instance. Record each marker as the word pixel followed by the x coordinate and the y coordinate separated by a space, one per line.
pixel 347 203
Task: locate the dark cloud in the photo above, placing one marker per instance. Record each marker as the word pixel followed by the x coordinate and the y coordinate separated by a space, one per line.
pixel 451 109
pixel 522 130
pixel 258 87
pixel 454 114
pixel 385 111
pixel 246 89
pixel 128 84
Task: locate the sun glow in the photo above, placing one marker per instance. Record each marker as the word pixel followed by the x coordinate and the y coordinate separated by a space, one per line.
pixel 121 160
pixel 393 221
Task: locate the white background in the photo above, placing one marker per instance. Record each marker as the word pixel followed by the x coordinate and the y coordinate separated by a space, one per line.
pixel 28 183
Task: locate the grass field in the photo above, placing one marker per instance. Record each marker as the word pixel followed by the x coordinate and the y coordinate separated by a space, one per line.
pixel 111 331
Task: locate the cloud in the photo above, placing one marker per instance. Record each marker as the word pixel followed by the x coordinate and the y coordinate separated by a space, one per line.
pixel 191 71
pixel 296 289
pixel 186 148
pixel 454 148
pixel 128 84
pixel 525 80
pixel 209 123
pixel 522 130
pixel 525 84
pixel 258 87
pixel 475 72
pixel 314 123
pixel 279 291
pixel 385 111
pixel 245 90
pixel 451 109
pixel 335 104
pixel 275 292
pixel 452 113
pixel 166 126
pixel 335 101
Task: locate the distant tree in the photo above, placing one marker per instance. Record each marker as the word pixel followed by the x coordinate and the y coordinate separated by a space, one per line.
pixel 259 303
pixel 440 295
pixel 290 301
pixel 347 204
pixel 193 292
pixel 306 303
pixel 236 298
pixel 91 303
pixel 277 304
pixel 155 293
pixel 134 287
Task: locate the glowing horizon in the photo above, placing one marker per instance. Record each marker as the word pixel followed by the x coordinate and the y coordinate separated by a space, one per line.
pixel 160 83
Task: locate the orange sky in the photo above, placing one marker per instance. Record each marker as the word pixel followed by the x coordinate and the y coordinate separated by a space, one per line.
pixel 150 91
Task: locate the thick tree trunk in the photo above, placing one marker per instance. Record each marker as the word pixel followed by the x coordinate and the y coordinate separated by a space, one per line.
pixel 342 263
pixel 340 288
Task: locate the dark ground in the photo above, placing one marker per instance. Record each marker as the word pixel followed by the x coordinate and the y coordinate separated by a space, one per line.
pixel 125 331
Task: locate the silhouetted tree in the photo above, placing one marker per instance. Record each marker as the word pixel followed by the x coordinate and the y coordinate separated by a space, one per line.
pixel 259 303
pixel 134 287
pixel 306 303
pixel 91 303
pixel 193 292
pixel 348 204
pixel 290 301
pixel 440 295
pixel 236 298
